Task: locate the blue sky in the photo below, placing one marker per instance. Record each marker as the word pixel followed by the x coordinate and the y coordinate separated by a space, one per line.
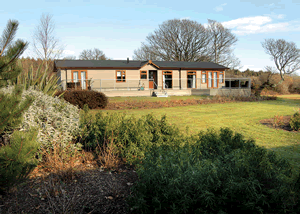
pixel 118 27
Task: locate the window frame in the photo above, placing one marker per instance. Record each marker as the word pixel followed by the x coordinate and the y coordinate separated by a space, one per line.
pixel 222 77
pixel 191 72
pixel 205 79
pixel 123 72
pixel 167 72
pixel 141 73
pixel 79 76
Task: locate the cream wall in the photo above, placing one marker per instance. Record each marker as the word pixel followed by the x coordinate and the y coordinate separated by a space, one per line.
pixel 133 80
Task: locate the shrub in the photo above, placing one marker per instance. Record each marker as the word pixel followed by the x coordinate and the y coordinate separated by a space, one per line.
pixel 131 136
pixel 17 159
pixel 295 121
pixel 79 98
pixel 56 119
pixel 40 79
pixel 219 173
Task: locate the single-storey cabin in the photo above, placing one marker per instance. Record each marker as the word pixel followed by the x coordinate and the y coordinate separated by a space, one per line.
pixel 140 78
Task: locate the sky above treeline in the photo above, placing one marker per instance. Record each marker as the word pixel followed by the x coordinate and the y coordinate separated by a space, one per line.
pixel 119 27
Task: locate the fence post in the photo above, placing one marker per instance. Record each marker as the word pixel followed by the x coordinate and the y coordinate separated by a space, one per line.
pixel 239 83
pixel 128 85
pixel 115 84
pixel 100 84
pixel 229 83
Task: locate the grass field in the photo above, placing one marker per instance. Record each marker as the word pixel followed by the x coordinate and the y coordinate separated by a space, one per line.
pixel 242 117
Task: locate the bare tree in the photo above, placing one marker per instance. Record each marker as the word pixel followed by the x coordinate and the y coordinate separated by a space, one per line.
pixel 285 55
pixel 175 40
pixel 144 53
pixel 45 45
pixel 95 54
pixel 221 42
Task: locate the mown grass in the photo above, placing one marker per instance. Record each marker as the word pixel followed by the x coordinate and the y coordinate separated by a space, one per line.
pixel 153 99
pixel 241 117
pixel 290 96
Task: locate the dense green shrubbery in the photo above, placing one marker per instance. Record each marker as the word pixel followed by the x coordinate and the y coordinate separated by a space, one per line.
pixel 17 159
pixel 219 173
pixel 295 121
pixel 79 98
pixel 131 136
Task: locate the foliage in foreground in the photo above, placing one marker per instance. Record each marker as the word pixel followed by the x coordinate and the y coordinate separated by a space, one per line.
pixel 219 173
pixel 17 159
pixel 130 135
pixel 79 98
pixel 55 118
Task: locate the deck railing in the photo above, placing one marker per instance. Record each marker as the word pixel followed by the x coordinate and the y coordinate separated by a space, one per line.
pixel 147 84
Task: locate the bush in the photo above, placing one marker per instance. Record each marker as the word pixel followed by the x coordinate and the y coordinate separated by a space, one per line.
pixel 56 119
pixel 131 136
pixel 219 173
pixel 295 121
pixel 79 98
pixel 17 159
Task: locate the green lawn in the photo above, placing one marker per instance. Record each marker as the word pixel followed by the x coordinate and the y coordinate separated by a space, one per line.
pixel 153 99
pixel 242 117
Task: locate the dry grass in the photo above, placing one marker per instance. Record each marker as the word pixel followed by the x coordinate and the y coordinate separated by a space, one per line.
pixel 186 102
pixel 278 121
pixel 63 163
pixel 108 155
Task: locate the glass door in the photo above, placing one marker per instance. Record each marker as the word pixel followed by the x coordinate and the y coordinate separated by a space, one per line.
pixel 83 79
pixel 215 80
pixel 209 79
pixel 75 76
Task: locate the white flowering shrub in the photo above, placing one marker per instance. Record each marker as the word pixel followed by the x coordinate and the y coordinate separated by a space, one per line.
pixel 56 119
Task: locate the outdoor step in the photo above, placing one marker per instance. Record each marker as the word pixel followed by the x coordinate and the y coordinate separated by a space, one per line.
pixel 160 94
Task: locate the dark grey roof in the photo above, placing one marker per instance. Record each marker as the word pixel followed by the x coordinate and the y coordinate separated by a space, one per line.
pixel 134 64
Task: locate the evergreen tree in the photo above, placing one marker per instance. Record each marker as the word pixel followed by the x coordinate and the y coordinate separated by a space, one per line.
pixel 10 51
pixel 17 157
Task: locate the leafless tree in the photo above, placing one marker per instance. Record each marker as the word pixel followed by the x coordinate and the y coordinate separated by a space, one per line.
pixel 285 55
pixel 220 47
pixel 175 40
pixel 45 44
pixel 144 53
pixel 95 54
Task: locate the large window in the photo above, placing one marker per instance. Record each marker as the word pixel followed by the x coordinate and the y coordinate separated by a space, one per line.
pixel 203 76
pixel 143 75
pixel 167 79
pixel 221 77
pixel 191 79
pixel 120 76
pixel 80 78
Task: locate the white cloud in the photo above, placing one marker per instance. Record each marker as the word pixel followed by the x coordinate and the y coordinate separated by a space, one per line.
pixel 260 24
pixel 220 7
pixel 240 22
